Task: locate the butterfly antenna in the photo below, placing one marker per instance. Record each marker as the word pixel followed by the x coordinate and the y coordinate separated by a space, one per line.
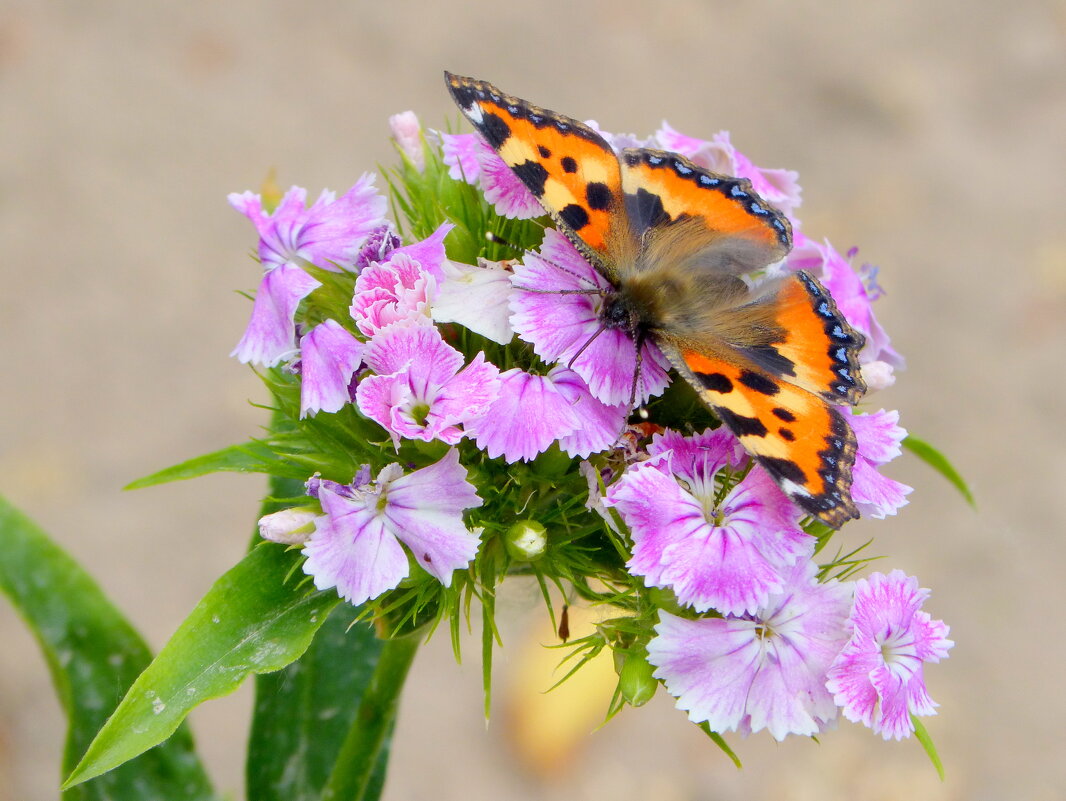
pixel 639 338
pixel 589 341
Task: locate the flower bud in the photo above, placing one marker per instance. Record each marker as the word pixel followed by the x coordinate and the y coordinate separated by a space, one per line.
pixel 289 526
pixel 526 540
pixel 407 132
pixel 635 680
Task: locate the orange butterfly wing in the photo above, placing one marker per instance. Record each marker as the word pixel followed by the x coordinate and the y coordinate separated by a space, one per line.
pixel 802 441
pixel 567 165
pixel 768 364
pixel 725 216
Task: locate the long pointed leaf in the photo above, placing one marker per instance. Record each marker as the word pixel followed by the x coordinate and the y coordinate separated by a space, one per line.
pixel 255 619
pixel 248 457
pixel 94 655
pixel 303 713
pixel 939 462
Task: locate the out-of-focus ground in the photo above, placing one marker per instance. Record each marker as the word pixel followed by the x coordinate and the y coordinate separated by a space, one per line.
pixel 932 135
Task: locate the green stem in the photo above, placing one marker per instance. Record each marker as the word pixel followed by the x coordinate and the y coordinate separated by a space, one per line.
pixel 377 713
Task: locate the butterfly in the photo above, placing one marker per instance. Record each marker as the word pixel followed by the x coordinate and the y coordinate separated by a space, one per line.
pixel 674 240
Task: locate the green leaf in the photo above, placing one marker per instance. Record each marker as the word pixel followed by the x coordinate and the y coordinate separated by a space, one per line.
pixel 718 740
pixel 303 713
pixel 248 457
pixel 927 743
pixel 258 617
pixel 94 655
pixel 939 462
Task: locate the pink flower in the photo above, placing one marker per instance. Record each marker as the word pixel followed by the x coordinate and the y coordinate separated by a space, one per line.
pixel 398 290
pixel 878 436
pixel 877 679
pixel 408 135
pixel 476 297
pixel 461 156
pixel 527 417
pixel 470 158
pixel 271 333
pixel 600 425
pixel 560 325
pixel 356 545
pixel 329 357
pixel 329 235
pixel 854 298
pixel 419 391
pixel 779 188
pixel 763 670
pixel 729 554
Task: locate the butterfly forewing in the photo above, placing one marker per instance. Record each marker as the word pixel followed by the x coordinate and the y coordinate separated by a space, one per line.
pixel 567 165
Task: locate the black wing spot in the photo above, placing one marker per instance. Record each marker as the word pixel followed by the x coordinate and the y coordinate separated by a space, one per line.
pixel 544 152
pixel 770 359
pixel 784 469
pixel 716 382
pixel 784 414
pixel 759 383
pixel 569 165
pixel 598 196
pixel 786 434
pixel 574 216
pixel 533 175
pixel 646 210
pixel 740 425
pixel 495 130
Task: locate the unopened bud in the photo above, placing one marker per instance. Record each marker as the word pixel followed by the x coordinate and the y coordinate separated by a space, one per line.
pixel 635 680
pixel 289 526
pixel 526 540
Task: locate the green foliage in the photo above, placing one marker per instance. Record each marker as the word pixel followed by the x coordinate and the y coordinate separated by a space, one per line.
pixel 939 462
pixel 93 655
pixel 927 743
pixel 255 619
pixel 304 712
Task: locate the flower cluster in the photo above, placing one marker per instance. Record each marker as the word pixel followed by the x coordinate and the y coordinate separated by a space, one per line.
pixel 442 394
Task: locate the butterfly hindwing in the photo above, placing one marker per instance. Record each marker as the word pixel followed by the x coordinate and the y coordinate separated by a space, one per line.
pixel 567 165
pixel 802 441
pixel 815 347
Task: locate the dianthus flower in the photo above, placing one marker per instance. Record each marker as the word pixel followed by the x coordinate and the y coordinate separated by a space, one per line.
pixel 328 235
pixel 329 357
pixel 470 158
pixel 419 391
pixel 729 554
pixel 559 326
pixel 878 435
pixel 766 669
pixel 877 679
pixel 356 544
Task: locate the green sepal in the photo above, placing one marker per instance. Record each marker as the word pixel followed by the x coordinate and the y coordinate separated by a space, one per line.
pixel 94 655
pixel 927 743
pixel 939 462
pixel 718 740
pixel 258 617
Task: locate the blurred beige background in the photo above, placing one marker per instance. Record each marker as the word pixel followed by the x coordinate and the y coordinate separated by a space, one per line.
pixel 932 135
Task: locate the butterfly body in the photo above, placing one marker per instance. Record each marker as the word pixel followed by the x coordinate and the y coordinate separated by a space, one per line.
pixel 770 359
